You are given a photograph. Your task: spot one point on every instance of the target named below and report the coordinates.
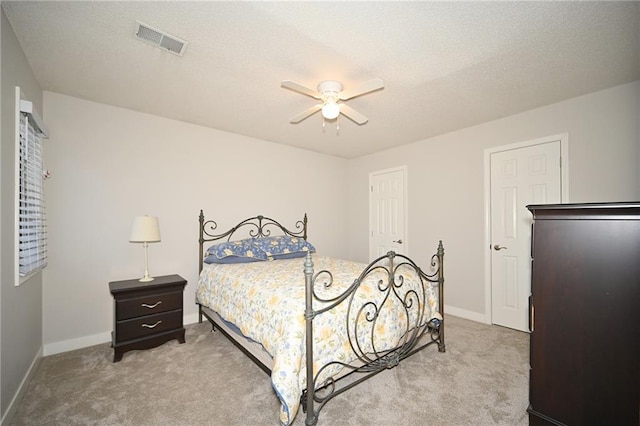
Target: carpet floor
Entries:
(481, 379)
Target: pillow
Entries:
(235, 252)
(284, 247)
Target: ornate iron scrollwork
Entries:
(397, 293)
(255, 227)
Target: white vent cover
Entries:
(160, 39)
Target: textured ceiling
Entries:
(446, 65)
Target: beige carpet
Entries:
(482, 379)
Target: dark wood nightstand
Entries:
(148, 314)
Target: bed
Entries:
(307, 318)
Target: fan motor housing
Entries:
(330, 86)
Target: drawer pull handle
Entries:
(152, 306)
(152, 326)
(533, 318)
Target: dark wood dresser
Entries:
(146, 314)
(585, 315)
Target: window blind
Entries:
(32, 223)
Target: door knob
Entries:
(498, 247)
(397, 241)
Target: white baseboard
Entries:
(17, 398)
(95, 339)
(463, 313)
(78, 343)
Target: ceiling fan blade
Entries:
(367, 87)
(306, 113)
(288, 84)
(352, 114)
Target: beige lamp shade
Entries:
(145, 229)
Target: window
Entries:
(31, 223)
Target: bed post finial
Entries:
(304, 222)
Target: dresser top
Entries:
(628, 210)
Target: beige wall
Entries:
(21, 310)
(446, 187)
(111, 164)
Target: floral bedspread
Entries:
(266, 301)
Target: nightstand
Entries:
(148, 314)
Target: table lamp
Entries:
(145, 229)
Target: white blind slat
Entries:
(32, 231)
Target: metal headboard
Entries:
(257, 226)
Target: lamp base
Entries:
(145, 279)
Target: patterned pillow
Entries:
(284, 247)
(235, 252)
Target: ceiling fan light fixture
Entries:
(332, 99)
(330, 110)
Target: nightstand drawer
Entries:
(147, 305)
(148, 325)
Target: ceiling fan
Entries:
(332, 95)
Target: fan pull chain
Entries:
(324, 125)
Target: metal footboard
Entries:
(398, 288)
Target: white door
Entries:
(527, 175)
(387, 198)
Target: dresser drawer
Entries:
(147, 305)
(148, 325)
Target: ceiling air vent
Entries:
(160, 39)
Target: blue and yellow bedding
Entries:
(266, 301)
